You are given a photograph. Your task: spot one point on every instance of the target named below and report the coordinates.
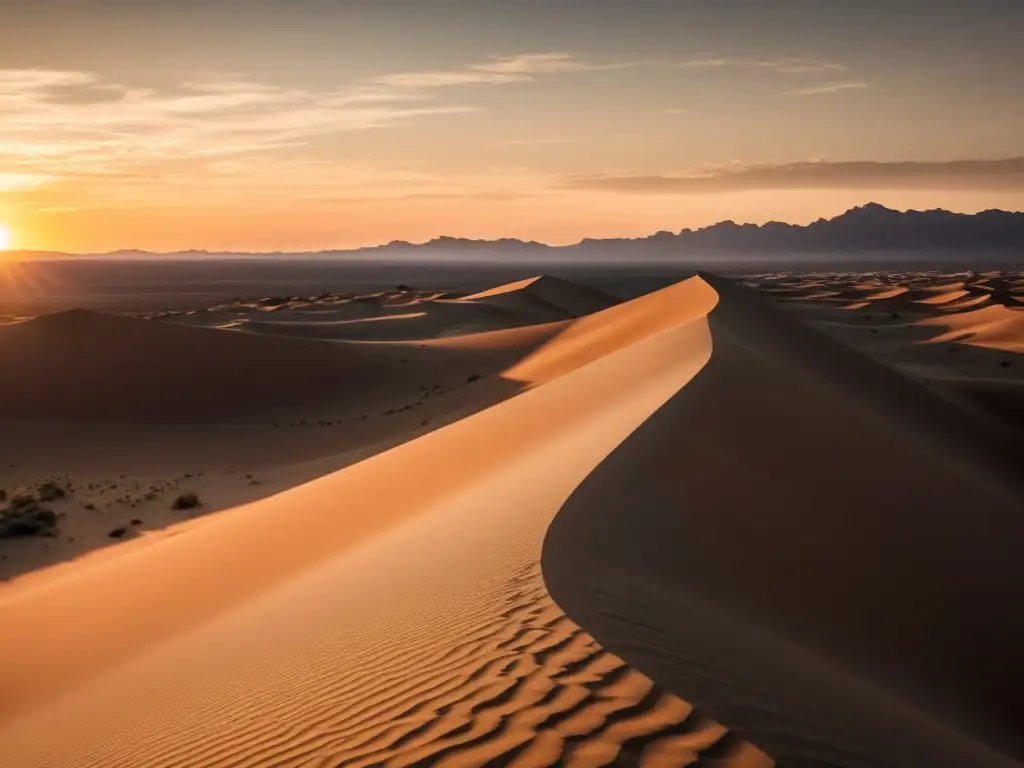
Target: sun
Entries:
(5, 237)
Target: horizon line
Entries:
(530, 242)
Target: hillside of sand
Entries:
(128, 413)
(438, 643)
(959, 333)
(401, 315)
(727, 507)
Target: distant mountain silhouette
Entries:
(864, 229)
(871, 227)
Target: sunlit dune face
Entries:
(5, 237)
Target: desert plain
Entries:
(764, 519)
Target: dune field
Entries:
(960, 332)
(527, 526)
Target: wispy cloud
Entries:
(14, 182)
(498, 70)
(542, 141)
(76, 127)
(826, 88)
(1007, 174)
(53, 120)
(789, 66)
(799, 66)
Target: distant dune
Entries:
(762, 547)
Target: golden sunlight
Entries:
(5, 237)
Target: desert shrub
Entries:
(51, 492)
(474, 377)
(3, 495)
(186, 501)
(27, 520)
(23, 501)
(118, 533)
(402, 288)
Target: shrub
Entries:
(22, 501)
(118, 533)
(27, 520)
(186, 501)
(51, 492)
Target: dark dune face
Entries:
(822, 552)
(958, 332)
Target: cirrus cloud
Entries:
(1004, 174)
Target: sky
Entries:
(316, 124)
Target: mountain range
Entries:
(864, 229)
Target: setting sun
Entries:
(5, 237)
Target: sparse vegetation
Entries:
(474, 377)
(186, 501)
(51, 492)
(118, 533)
(25, 517)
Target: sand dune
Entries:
(544, 298)
(60, 367)
(969, 357)
(392, 612)
(405, 315)
(833, 530)
(89, 366)
(127, 413)
(433, 319)
(728, 507)
(994, 327)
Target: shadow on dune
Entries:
(816, 550)
(93, 367)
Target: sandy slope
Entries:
(392, 612)
(827, 557)
(543, 298)
(958, 333)
(994, 327)
(128, 413)
(816, 549)
(403, 315)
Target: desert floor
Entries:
(527, 525)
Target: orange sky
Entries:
(314, 125)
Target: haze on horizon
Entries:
(312, 124)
